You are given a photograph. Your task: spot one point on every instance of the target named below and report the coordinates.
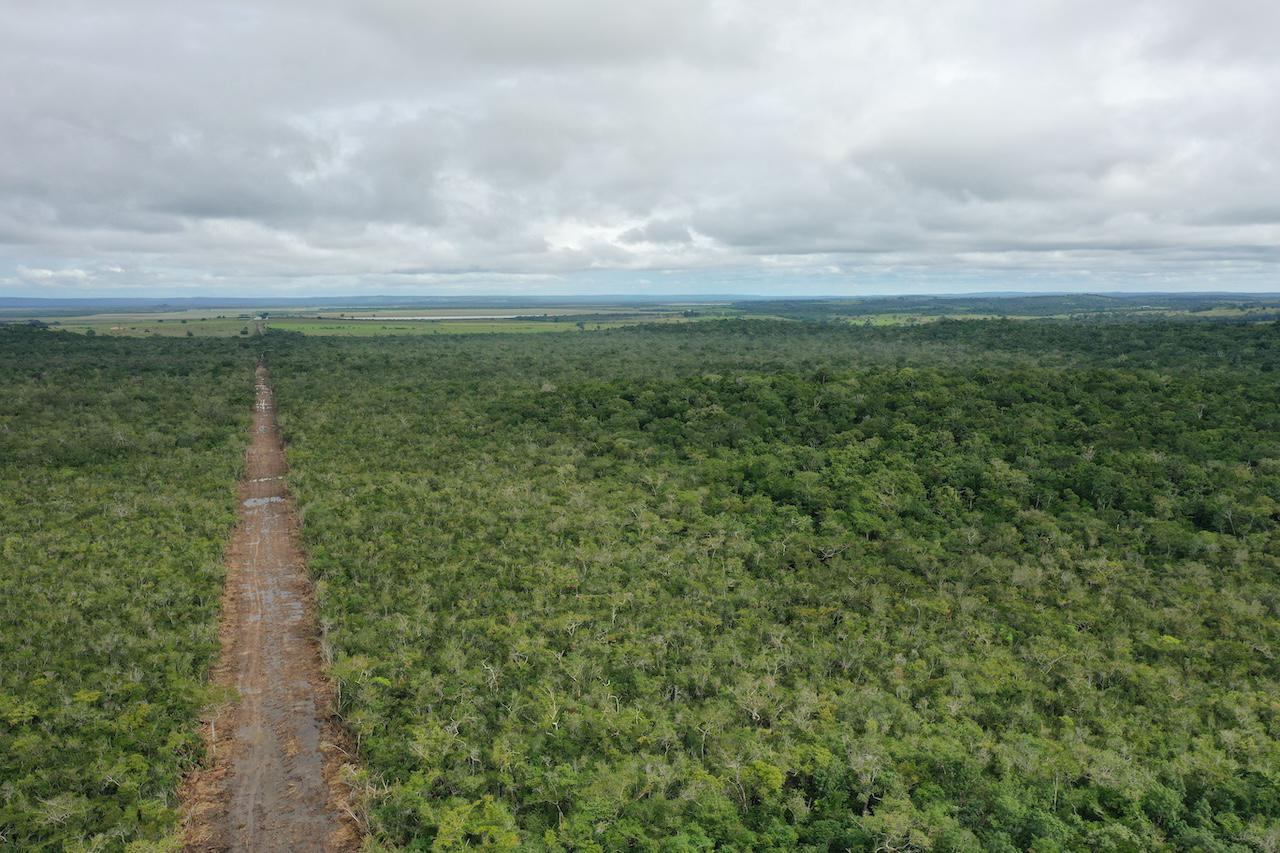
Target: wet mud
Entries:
(277, 756)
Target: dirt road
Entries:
(273, 782)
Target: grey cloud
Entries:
(561, 33)
(337, 141)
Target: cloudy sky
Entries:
(665, 146)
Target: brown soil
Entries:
(277, 756)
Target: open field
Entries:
(417, 324)
(515, 318)
(379, 327)
(193, 324)
(373, 328)
(513, 312)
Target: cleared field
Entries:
(150, 325)
(406, 326)
(514, 312)
(519, 320)
(374, 328)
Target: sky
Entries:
(814, 147)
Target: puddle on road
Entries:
(274, 499)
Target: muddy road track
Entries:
(273, 783)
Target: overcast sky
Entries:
(664, 146)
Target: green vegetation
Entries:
(143, 325)
(394, 326)
(118, 460)
(376, 317)
(1108, 308)
(726, 585)
(778, 586)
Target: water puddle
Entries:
(252, 502)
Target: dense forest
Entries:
(774, 586)
(732, 585)
(118, 461)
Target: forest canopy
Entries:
(775, 586)
(118, 463)
(741, 585)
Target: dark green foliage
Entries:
(118, 460)
(777, 586)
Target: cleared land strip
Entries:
(273, 783)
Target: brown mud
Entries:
(274, 782)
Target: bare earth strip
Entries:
(274, 780)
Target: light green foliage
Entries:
(771, 586)
(118, 461)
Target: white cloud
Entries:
(39, 275)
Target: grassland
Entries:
(195, 324)
(404, 322)
(375, 328)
